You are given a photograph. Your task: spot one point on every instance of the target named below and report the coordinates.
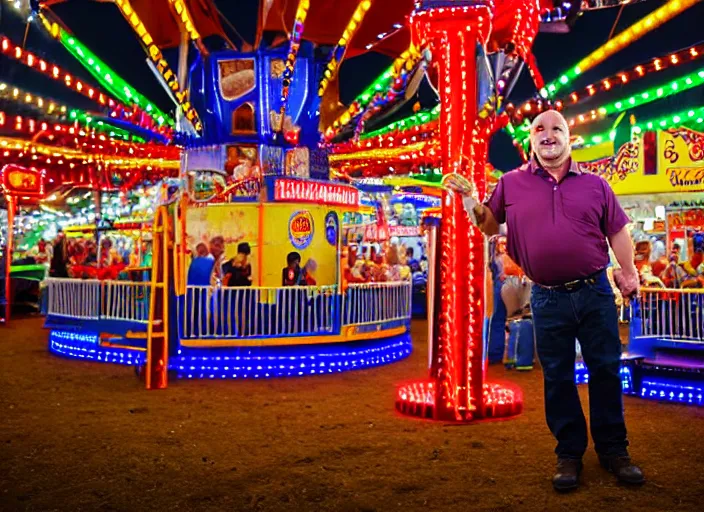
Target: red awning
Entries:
(161, 23)
(326, 21)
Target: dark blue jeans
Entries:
(588, 314)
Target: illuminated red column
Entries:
(452, 34)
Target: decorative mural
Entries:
(237, 78)
(616, 168)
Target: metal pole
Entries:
(182, 74)
(431, 251)
(8, 254)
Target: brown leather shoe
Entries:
(566, 476)
(623, 468)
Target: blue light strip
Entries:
(66, 336)
(244, 363)
(581, 376)
(91, 352)
(683, 392)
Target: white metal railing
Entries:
(236, 312)
(92, 299)
(676, 314)
(370, 303)
(74, 298)
(256, 312)
(125, 300)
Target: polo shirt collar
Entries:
(534, 167)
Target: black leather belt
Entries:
(573, 286)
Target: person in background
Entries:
(202, 250)
(497, 321)
(674, 275)
(411, 261)
(201, 268)
(91, 254)
(309, 271)
(217, 250)
(106, 253)
(658, 257)
(291, 275)
(238, 271)
(59, 259)
(41, 253)
(424, 263)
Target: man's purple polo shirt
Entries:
(556, 232)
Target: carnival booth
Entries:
(18, 184)
(657, 177)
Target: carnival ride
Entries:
(249, 120)
(269, 193)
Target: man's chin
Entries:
(552, 159)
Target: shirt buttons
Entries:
(555, 187)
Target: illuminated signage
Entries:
(403, 231)
(315, 192)
(300, 229)
(21, 181)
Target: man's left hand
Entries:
(628, 283)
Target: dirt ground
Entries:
(83, 436)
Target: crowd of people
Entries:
(397, 263)
(91, 258)
(660, 269)
(210, 267)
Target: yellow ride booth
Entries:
(659, 179)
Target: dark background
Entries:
(101, 27)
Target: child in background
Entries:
(291, 274)
(308, 270)
(238, 271)
(202, 251)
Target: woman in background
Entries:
(59, 258)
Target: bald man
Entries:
(559, 224)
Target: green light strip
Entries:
(59, 113)
(383, 81)
(87, 120)
(686, 117)
(111, 80)
(593, 140)
(670, 88)
(629, 35)
(380, 84)
(404, 124)
(664, 90)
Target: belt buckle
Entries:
(571, 286)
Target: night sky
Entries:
(101, 27)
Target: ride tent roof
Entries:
(325, 23)
(162, 25)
